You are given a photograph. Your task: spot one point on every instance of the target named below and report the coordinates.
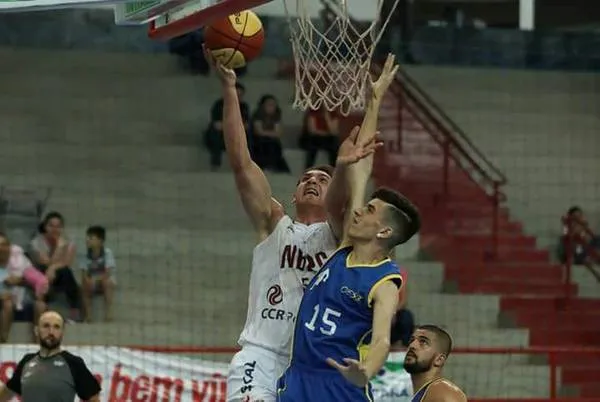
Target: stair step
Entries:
(541, 304)
(589, 390)
(486, 241)
(564, 337)
(571, 320)
(580, 375)
(503, 288)
(501, 275)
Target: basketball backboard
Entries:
(195, 14)
(38, 5)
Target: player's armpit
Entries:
(385, 300)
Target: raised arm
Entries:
(251, 182)
(337, 198)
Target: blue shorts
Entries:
(305, 385)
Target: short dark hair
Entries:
(323, 168)
(573, 210)
(98, 231)
(402, 214)
(49, 216)
(328, 169)
(443, 338)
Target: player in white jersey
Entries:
(290, 251)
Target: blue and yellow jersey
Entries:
(336, 313)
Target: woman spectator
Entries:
(266, 130)
(320, 133)
(53, 253)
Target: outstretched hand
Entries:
(226, 75)
(354, 371)
(388, 73)
(351, 151)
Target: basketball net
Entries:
(333, 56)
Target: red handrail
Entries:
(571, 239)
(455, 144)
(550, 352)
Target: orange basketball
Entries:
(235, 40)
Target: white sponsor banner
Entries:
(132, 375)
(393, 383)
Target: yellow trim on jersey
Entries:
(379, 282)
(348, 265)
(427, 384)
(363, 349)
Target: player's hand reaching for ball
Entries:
(226, 75)
(351, 152)
(354, 371)
(388, 73)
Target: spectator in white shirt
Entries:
(53, 254)
(97, 272)
(17, 272)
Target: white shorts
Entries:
(253, 375)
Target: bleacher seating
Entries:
(117, 139)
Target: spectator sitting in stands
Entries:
(580, 241)
(266, 140)
(97, 272)
(213, 136)
(53, 254)
(321, 129)
(403, 327)
(16, 272)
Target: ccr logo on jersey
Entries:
(274, 295)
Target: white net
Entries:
(333, 54)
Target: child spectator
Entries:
(16, 272)
(97, 272)
(53, 253)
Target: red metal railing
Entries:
(455, 144)
(551, 354)
(576, 233)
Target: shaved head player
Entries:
(289, 250)
(428, 351)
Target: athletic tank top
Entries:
(336, 314)
(420, 394)
(282, 265)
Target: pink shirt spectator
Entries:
(19, 265)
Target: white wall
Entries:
(362, 10)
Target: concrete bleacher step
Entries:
(108, 158)
(91, 63)
(90, 131)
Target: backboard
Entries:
(195, 14)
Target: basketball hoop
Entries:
(333, 61)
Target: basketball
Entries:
(235, 40)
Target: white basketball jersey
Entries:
(281, 266)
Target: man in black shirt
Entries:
(51, 374)
(214, 133)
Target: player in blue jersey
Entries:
(351, 302)
(428, 351)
